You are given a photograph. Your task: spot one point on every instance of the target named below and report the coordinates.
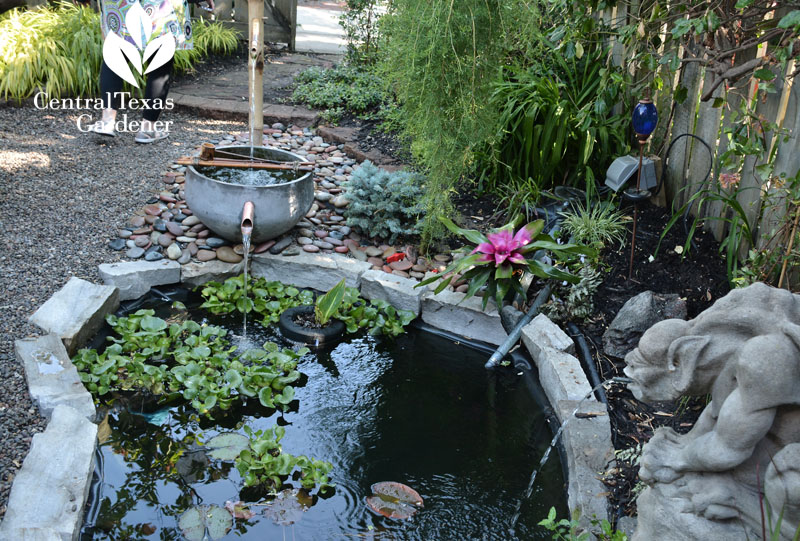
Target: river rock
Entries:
(292, 251)
(206, 255)
(341, 249)
(323, 196)
(311, 248)
(324, 245)
(135, 253)
(303, 241)
(226, 254)
(320, 233)
(281, 245)
(160, 225)
(375, 261)
(636, 316)
(215, 242)
(165, 240)
(264, 246)
(173, 251)
(137, 221)
(402, 265)
(117, 244)
(185, 257)
(141, 242)
(174, 228)
(373, 251)
(153, 256)
(191, 221)
(358, 254)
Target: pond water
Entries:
(419, 410)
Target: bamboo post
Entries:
(256, 70)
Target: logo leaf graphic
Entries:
(115, 49)
(139, 24)
(164, 49)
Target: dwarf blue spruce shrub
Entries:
(384, 204)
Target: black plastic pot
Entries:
(330, 334)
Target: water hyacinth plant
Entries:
(500, 258)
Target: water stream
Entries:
(529, 490)
(244, 343)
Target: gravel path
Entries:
(63, 194)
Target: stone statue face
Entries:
(655, 366)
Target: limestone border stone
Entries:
(51, 376)
(76, 312)
(49, 492)
(135, 278)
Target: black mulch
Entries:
(698, 277)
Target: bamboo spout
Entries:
(247, 219)
(256, 71)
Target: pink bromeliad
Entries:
(502, 247)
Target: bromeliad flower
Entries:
(498, 254)
(502, 246)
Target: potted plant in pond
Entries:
(314, 324)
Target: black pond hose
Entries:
(585, 357)
(660, 183)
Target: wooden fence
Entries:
(689, 160)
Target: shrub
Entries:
(361, 24)
(555, 126)
(59, 50)
(384, 204)
(343, 87)
(444, 61)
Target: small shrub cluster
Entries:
(384, 204)
(343, 88)
(59, 50)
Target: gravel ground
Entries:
(64, 194)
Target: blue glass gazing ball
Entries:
(645, 118)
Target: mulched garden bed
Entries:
(700, 279)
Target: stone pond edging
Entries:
(56, 475)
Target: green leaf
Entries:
(790, 19)
(503, 271)
(152, 324)
(285, 397)
(265, 397)
(327, 305)
(764, 74)
(227, 446)
(471, 235)
(680, 94)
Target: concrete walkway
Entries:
(318, 30)
(224, 95)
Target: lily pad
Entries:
(227, 446)
(394, 500)
(239, 510)
(195, 521)
(287, 507)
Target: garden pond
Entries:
(418, 409)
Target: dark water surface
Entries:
(420, 410)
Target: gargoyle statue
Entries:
(745, 352)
